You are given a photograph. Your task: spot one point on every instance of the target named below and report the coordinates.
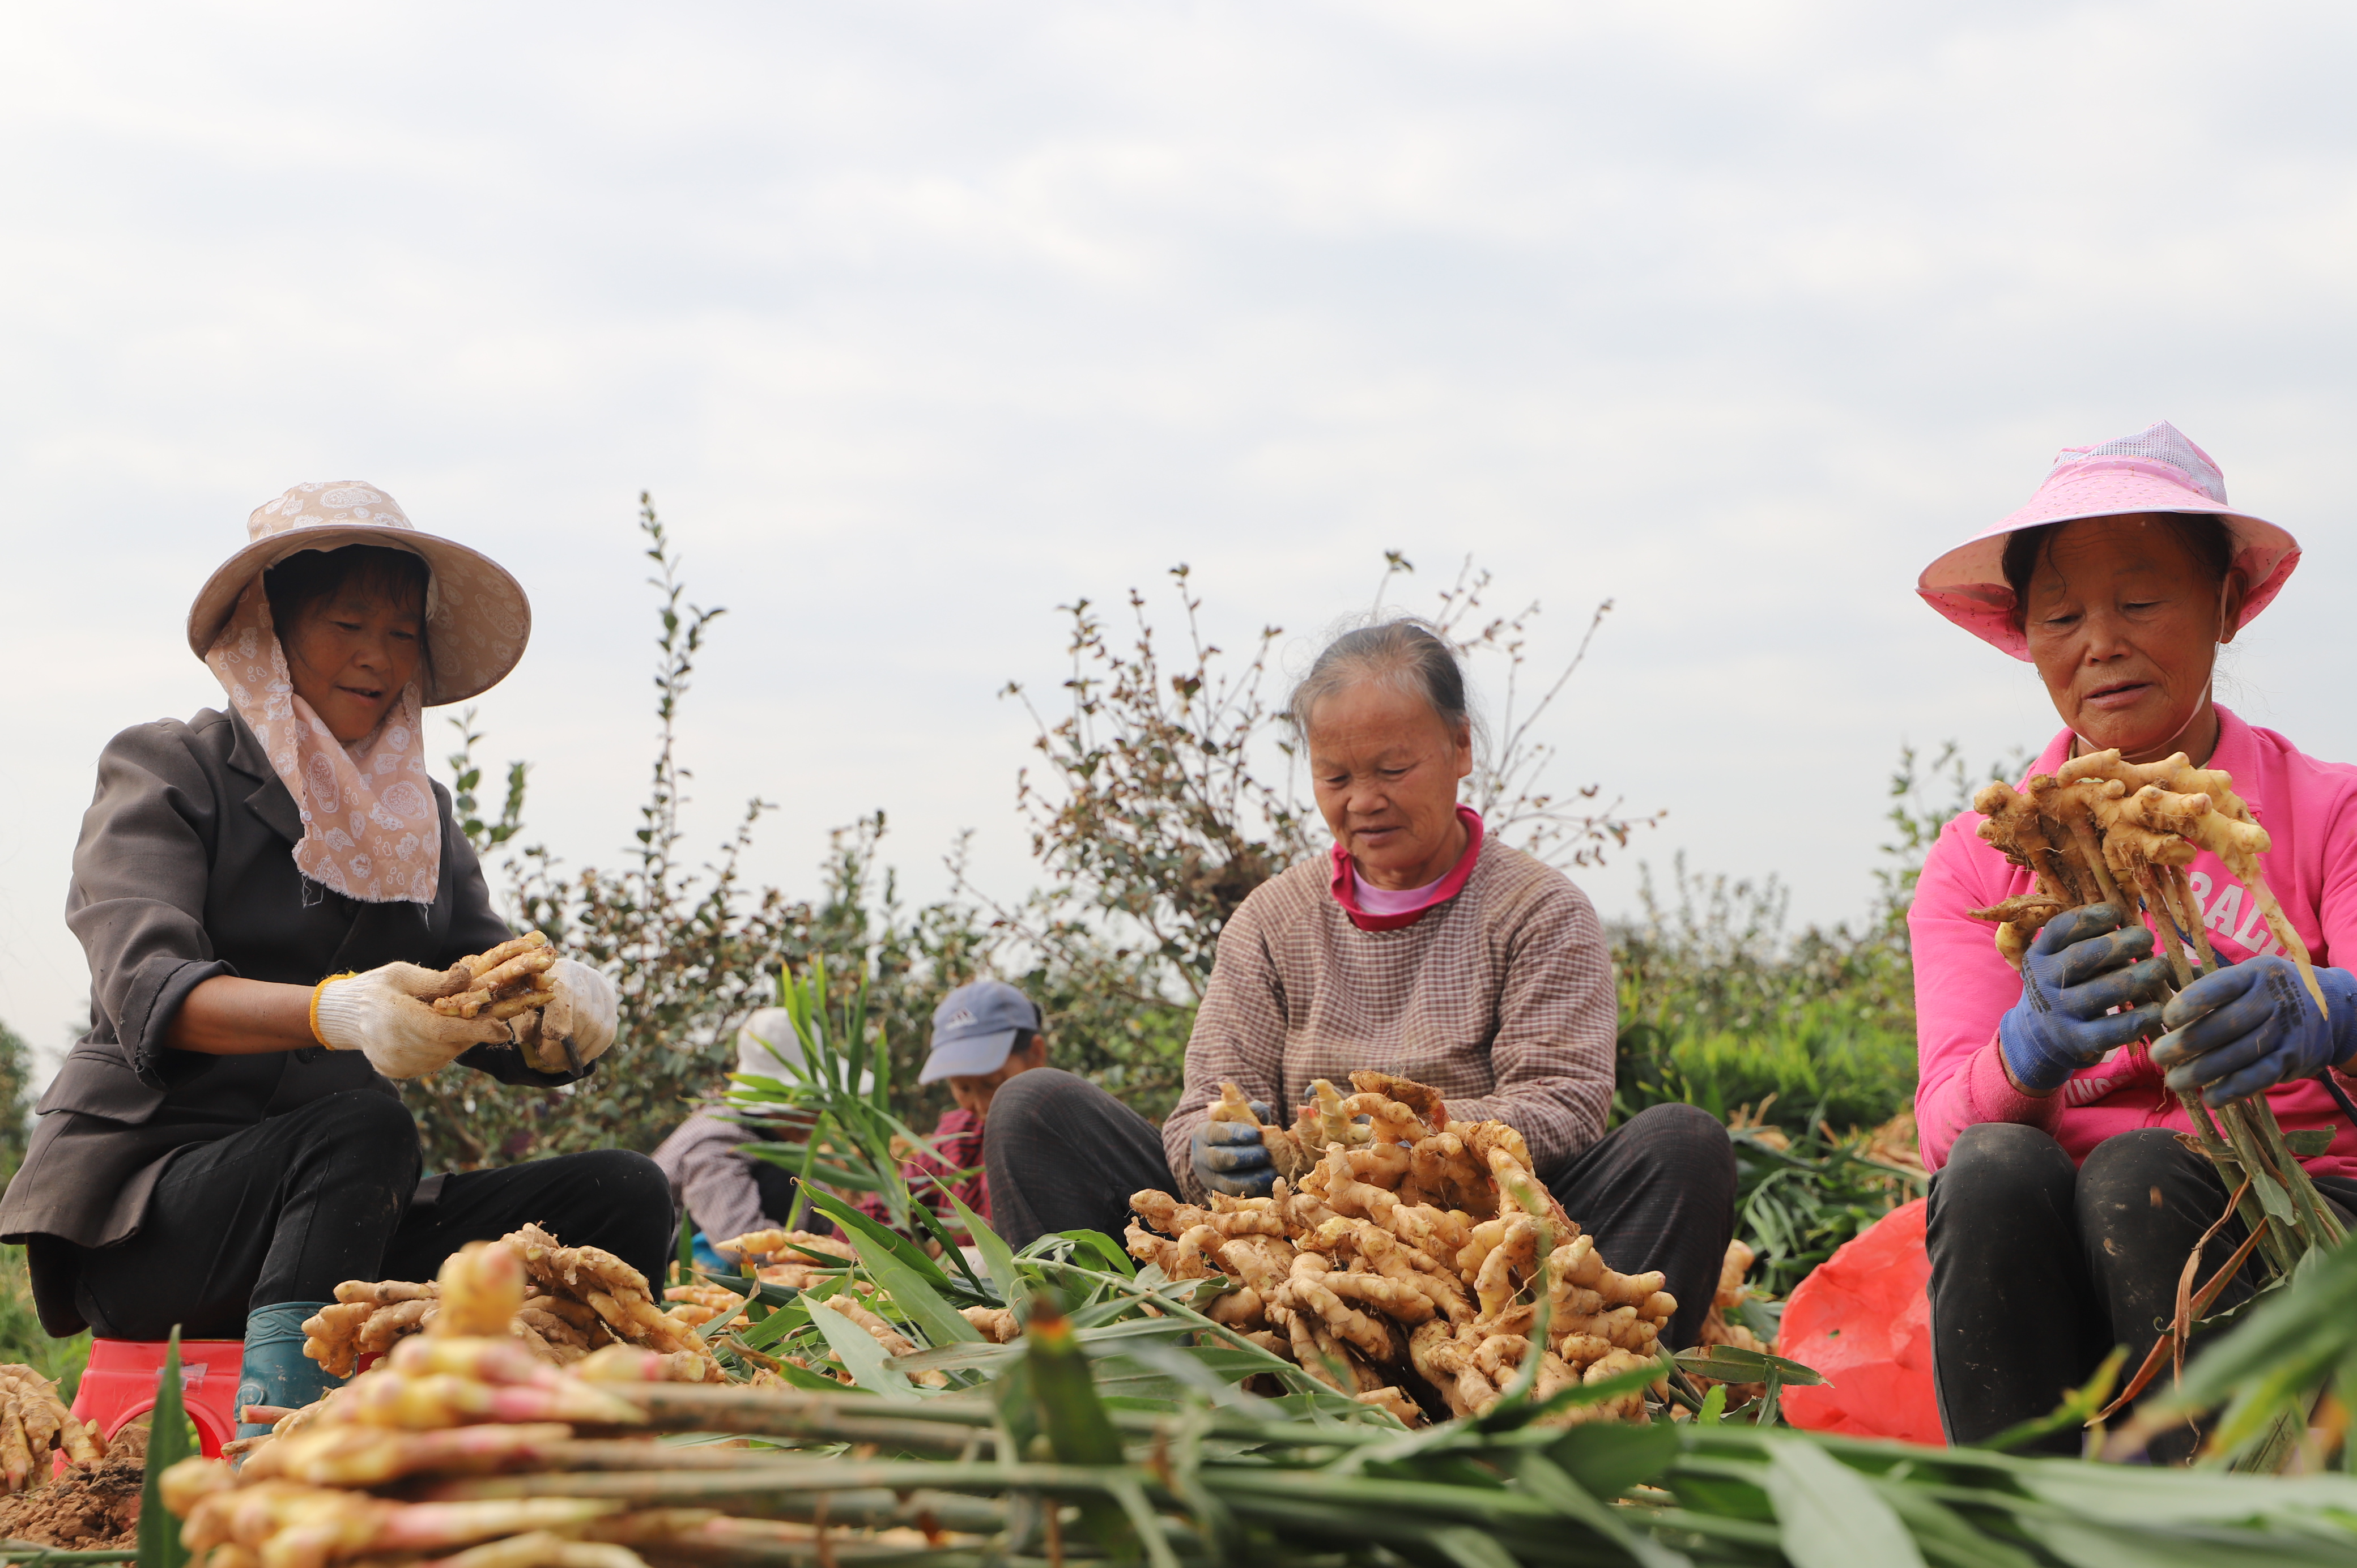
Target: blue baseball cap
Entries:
(974, 1027)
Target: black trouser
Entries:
(1659, 1193)
(2038, 1269)
(291, 1208)
(1059, 1154)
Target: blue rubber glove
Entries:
(2246, 1028)
(2079, 966)
(1229, 1157)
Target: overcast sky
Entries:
(921, 319)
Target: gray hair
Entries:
(1408, 654)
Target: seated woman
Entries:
(226, 1146)
(1418, 947)
(2064, 1206)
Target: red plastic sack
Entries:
(1864, 1319)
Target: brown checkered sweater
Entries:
(1501, 998)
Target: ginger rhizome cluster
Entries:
(465, 1396)
(578, 1300)
(502, 984)
(35, 1426)
(2100, 830)
(1408, 1261)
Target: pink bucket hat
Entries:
(2156, 470)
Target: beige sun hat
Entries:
(477, 617)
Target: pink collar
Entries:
(1345, 883)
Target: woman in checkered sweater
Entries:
(1419, 947)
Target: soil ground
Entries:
(86, 1510)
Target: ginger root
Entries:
(34, 1424)
(502, 982)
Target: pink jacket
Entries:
(1963, 986)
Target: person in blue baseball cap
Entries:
(985, 1032)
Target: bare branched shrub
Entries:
(1153, 812)
(1169, 792)
(1507, 786)
(1166, 796)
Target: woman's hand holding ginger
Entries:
(2252, 1025)
(386, 1015)
(2080, 967)
(578, 1025)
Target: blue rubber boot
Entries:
(275, 1372)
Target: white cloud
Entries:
(920, 319)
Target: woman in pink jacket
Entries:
(2064, 1207)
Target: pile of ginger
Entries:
(579, 1299)
(1401, 1258)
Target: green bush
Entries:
(1792, 1072)
(1719, 1008)
(1806, 1042)
(21, 1340)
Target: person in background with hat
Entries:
(267, 895)
(725, 1193)
(985, 1032)
(2063, 1206)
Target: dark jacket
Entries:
(185, 870)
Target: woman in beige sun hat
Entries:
(266, 894)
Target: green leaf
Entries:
(783, 1324)
(1946, 1535)
(969, 1282)
(1112, 1339)
(2138, 1495)
(1730, 1364)
(1552, 1485)
(2085, 1545)
(996, 1257)
(167, 1445)
(1073, 1418)
(857, 1226)
(1829, 1516)
(916, 1299)
(860, 1355)
(1470, 1548)
(1109, 1252)
(802, 1378)
(2270, 1363)
(2309, 1142)
(1609, 1459)
(2274, 1200)
(1714, 1405)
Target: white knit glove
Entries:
(578, 1024)
(383, 1015)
